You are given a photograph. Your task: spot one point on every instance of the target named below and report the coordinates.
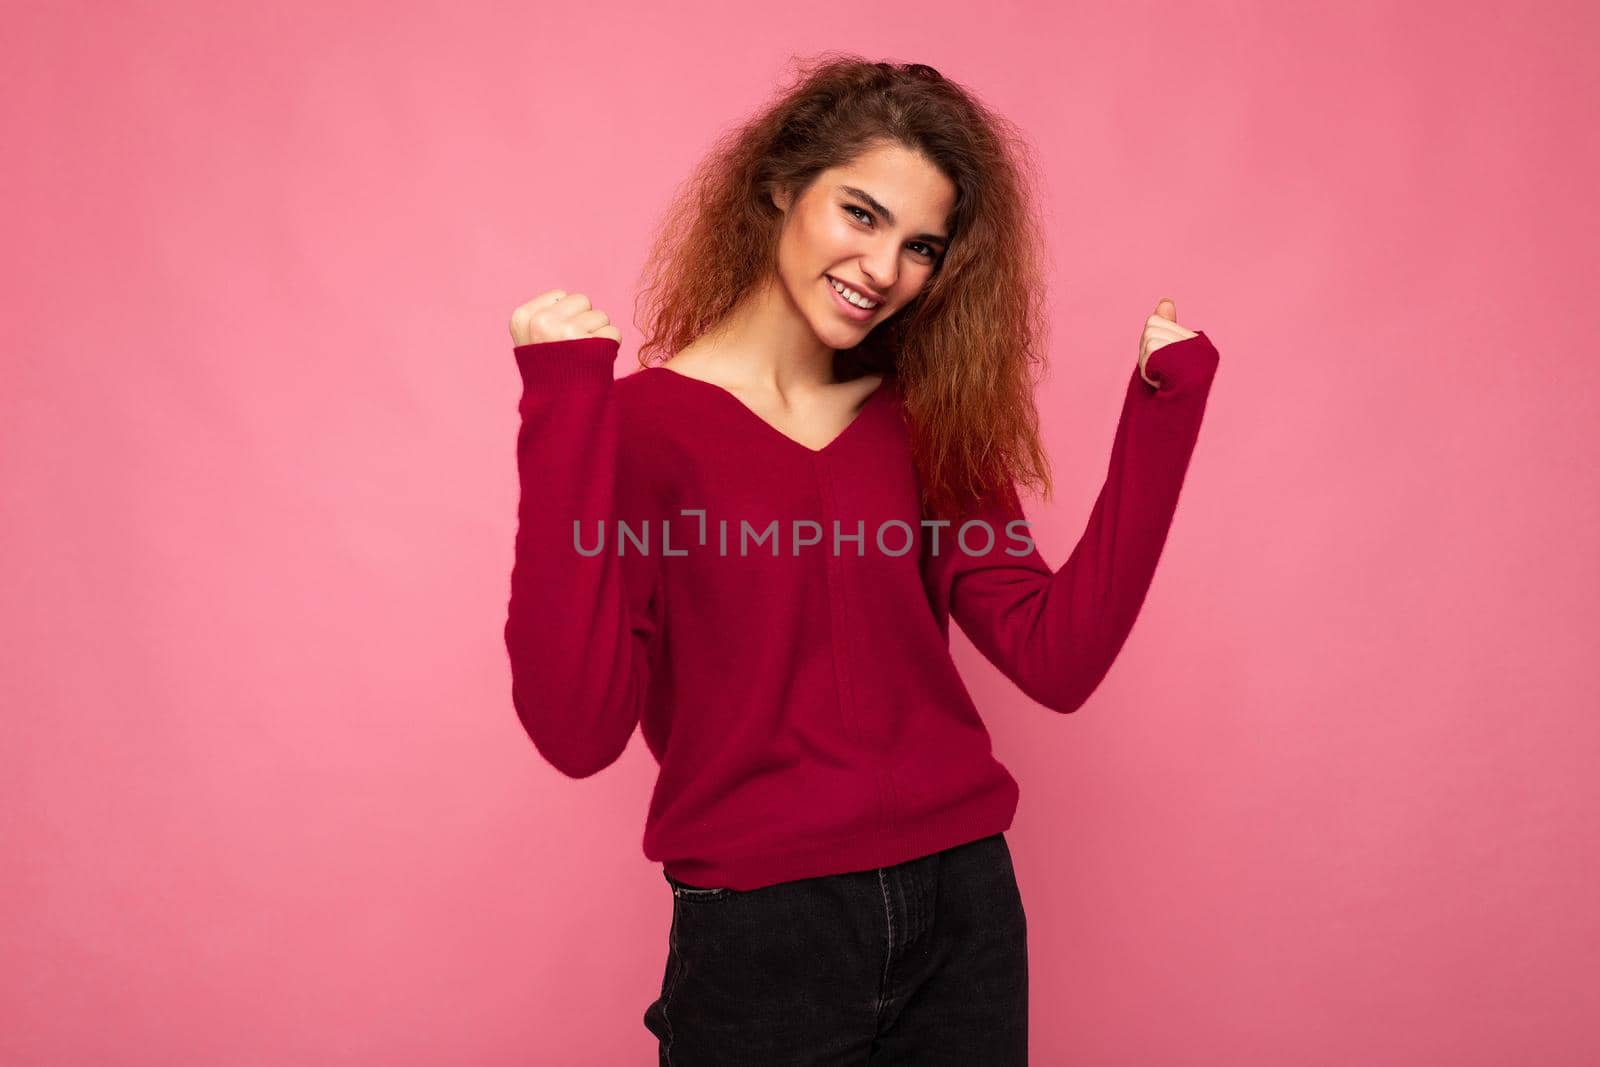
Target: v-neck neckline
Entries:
(860, 414)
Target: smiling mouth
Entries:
(852, 310)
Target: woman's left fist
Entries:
(1160, 329)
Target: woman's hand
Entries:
(1160, 329)
(558, 315)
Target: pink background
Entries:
(264, 796)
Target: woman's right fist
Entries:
(558, 315)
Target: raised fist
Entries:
(558, 315)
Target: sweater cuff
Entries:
(1182, 365)
(569, 362)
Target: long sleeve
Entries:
(1055, 635)
(577, 633)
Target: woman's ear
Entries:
(781, 199)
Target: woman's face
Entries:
(877, 226)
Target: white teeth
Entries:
(851, 295)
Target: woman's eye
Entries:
(926, 253)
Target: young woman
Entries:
(752, 549)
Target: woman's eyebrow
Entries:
(888, 216)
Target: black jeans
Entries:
(925, 962)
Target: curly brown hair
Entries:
(966, 350)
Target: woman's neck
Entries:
(763, 345)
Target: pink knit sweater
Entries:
(775, 618)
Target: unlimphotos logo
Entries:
(892, 537)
